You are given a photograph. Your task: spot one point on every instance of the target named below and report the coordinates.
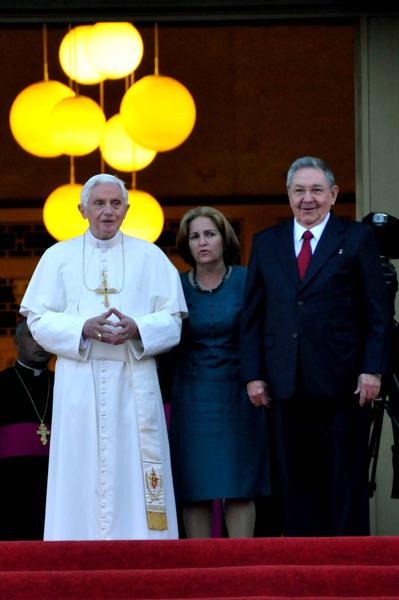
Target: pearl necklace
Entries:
(198, 287)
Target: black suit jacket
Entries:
(325, 330)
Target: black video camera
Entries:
(386, 228)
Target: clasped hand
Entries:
(102, 329)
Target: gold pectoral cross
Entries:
(43, 432)
(105, 290)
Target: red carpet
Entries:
(268, 568)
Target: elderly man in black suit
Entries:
(315, 334)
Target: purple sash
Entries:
(21, 439)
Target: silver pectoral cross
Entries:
(105, 290)
(43, 432)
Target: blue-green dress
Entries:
(218, 439)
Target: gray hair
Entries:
(310, 162)
(102, 178)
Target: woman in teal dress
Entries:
(218, 438)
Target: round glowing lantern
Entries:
(30, 116)
(158, 112)
(61, 215)
(144, 219)
(120, 151)
(114, 49)
(77, 125)
(73, 58)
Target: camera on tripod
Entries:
(386, 228)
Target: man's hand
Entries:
(368, 388)
(94, 327)
(100, 328)
(123, 330)
(258, 393)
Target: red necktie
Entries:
(305, 254)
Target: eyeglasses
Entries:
(315, 191)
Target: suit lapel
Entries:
(284, 244)
(330, 239)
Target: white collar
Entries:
(37, 372)
(103, 244)
(317, 230)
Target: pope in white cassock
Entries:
(106, 304)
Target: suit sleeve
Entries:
(252, 320)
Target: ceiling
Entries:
(272, 80)
(265, 94)
(192, 10)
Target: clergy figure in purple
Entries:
(25, 431)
